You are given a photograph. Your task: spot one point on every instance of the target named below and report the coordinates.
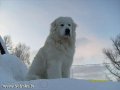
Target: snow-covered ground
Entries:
(59, 84)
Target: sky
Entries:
(28, 21)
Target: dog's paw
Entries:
(32, 77)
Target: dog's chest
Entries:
(60, 53)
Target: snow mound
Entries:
(11, 68)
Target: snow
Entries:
(11, 68)
(59, 84)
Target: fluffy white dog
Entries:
(55, 58)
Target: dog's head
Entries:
(63, 27)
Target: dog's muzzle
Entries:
(67, 32)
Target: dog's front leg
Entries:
(66, 73)
(54, 70)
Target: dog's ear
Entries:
(74, 26)
(53, 25)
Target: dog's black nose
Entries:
(67, 31)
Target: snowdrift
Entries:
(11, 68)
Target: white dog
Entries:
(55, 58)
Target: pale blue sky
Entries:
(28, 21)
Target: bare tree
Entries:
(23, 52)
(113, 55)
(20, 50)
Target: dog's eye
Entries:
(69, 24)
(62, 25)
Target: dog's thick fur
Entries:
(55, 58)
